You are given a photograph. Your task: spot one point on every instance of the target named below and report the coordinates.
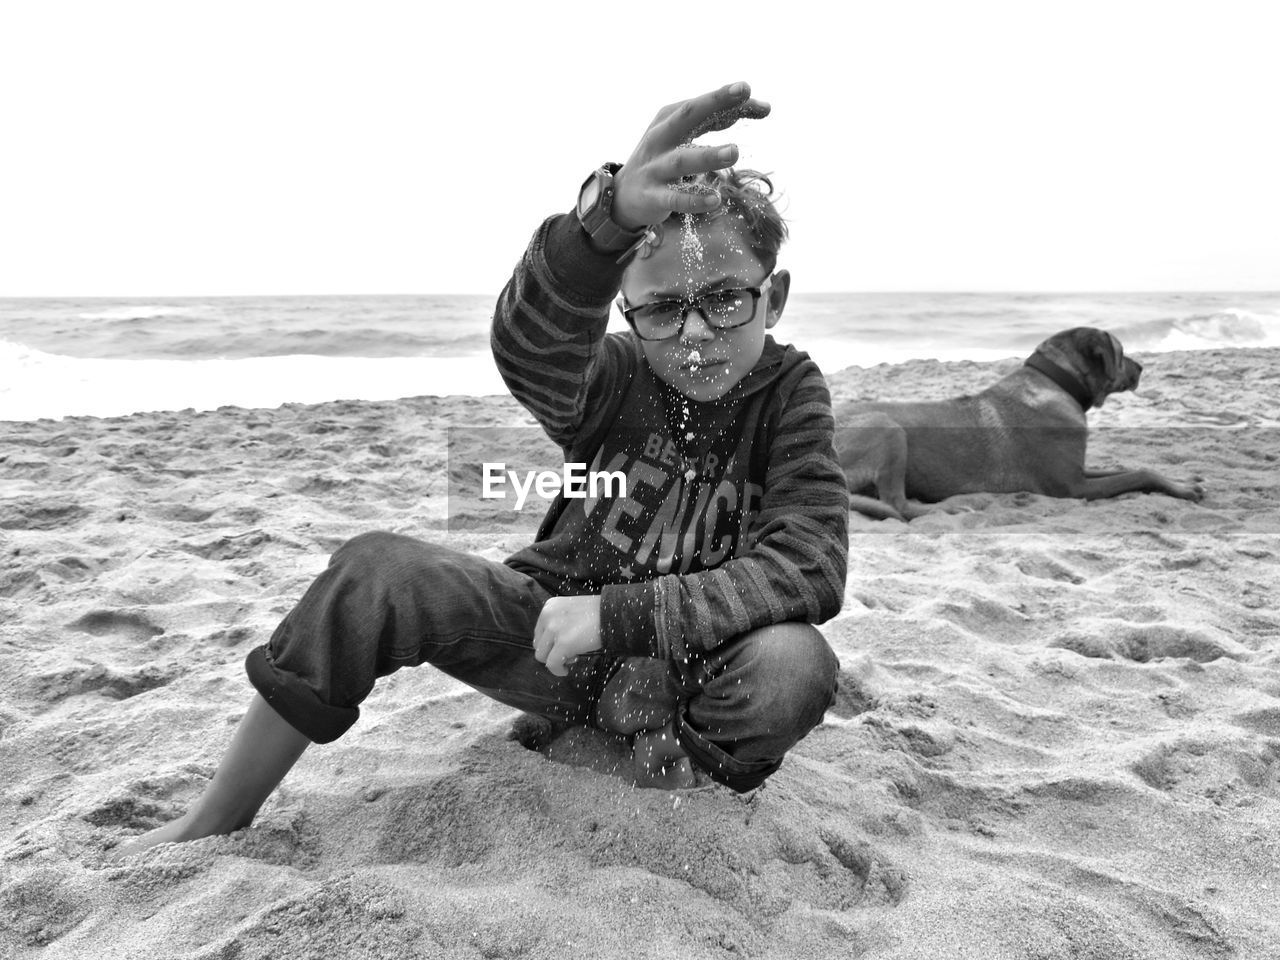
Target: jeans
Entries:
(388, 601)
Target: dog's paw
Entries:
(873, 508)
(1193, 492)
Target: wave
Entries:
(1232, 328)
(1209, 331)
(872, 344)
(143, 311)
(270, 368)
(369, 342)
(36, 385)
(244, 327)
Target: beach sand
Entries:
(1057, 736)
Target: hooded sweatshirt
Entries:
(736, 510)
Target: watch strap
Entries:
(597, 220)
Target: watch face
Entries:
(589, 196)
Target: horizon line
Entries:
(1009, 291)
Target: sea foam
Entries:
(110, 357)
(36, 385)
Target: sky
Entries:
(251, 148)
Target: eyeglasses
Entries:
(721, 309)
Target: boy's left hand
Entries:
(567, 627)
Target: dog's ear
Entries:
(1105, 352)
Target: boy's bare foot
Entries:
(175, 831)
(659, 761)
(263, 749)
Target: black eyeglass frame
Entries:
(688, 306)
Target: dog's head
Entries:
(1094, 356)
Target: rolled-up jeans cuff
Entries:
(738, 775)
(296, 702)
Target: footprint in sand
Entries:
(1265, 720)
(1044, 567)
(1227, 772)
(844, 871)
(131, 812)
(85, 676)
(1158, 769)
(236, 547)
(1143, 644)
(1147, 643)
(145, 804)
(974, 612)
(70, 568)
(99, 678)
(359, 916)
(853, 696)
(15, 584)
(39, 514)
(182, 512)
(880, 882)
(127, 626)
(37, 906)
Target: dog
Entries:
(1026, 432)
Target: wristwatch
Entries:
(595, 213)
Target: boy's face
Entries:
(702, 362)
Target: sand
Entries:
(1058, 733)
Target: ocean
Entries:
(107, 357)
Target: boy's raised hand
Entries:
(647, 189)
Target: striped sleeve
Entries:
(549, 329)
(791, 568)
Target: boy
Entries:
(679, 614)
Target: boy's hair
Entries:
(747, 193)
